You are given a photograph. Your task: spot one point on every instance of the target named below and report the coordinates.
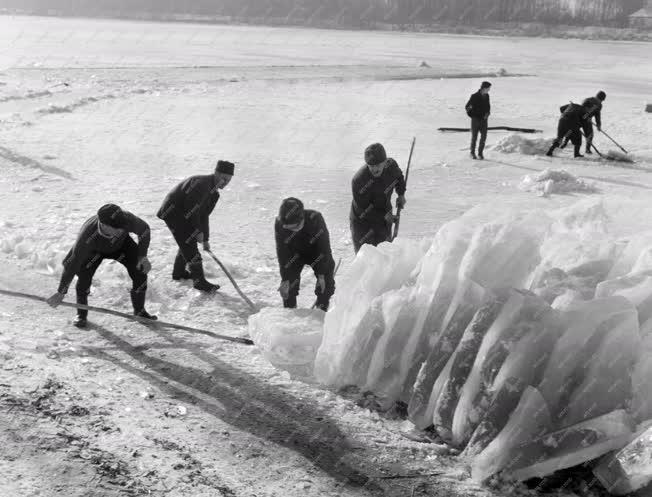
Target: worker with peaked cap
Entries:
(106, 236)
(186, 210)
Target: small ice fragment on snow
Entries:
(552, 181)
(527, 146)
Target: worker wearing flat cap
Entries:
(371, 215)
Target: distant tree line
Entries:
(345, 12)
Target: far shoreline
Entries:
(504, 30)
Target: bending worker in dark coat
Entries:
(371, 214)
(302, 239)
(478, 108)
(570, 123)
(185, 210)
(593, 106)
(106, 236)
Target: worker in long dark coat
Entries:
(106, 236)
(371, 215)
(186, 210)
(302, 239)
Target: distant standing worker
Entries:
(371, 214)
(185, 210)
(106, 236)
(302, 239)
(593, 106)
(478, 108)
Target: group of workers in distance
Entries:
(301, 234)
(575, 120)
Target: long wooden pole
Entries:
(131, 317)
(397, 223)
(617, 144)
(235, 285)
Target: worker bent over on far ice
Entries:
(185, 210)
(106, 236)
(371, 214)
(302, 239)
(593, 106)
(569, 128)
(478, 108)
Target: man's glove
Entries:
(144, 265)
(390, 218)
(599, 127)
(284, 289)
(55, 300)
(400, 201)
(206, 245)
(321, 283)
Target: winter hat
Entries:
(375, 154)
(601, 95)
(225, 167)
(485, 84)
(291, 211)
(111, 215)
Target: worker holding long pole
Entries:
(371, 215)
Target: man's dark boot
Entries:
(138, 302)
(552, 148)
(322, 304)
(199, 281)
(473, 156)
(290, 302)
(81, 321)
(577, 152)
(179, 271)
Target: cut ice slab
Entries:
(641, 407)
(288, 338)
(630, 469)
(357, 290)
(571, 446)
(427, 388)
(530, 419)
(523, 313)
(461, 364)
